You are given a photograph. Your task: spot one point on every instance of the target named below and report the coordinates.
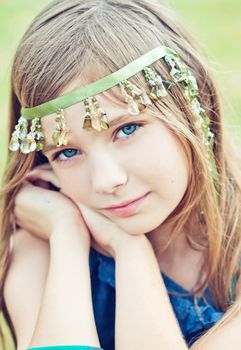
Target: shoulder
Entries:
(24, 283)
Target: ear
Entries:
(43, 173)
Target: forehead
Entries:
(110, 101)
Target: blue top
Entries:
(193, 319)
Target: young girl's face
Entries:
(136, 156)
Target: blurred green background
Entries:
(215, 24)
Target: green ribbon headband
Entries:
(98, 86)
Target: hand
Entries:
(41, 209)
(106, 233)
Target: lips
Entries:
(129, 209)
(126, 203)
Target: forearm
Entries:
(66, 312)
(144, 316)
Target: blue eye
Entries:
(129, 129)
(66, 154)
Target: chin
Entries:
(139, 226)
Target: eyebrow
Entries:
(51, 147)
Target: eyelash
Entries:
(55, 157)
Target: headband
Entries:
(137, 99)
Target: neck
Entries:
(179, 255)
(168, 255)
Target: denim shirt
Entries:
(193, 319)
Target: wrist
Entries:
(64, 221)
(71, 234)
(127, 242)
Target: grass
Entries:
(216, 25)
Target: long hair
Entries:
(70, 37)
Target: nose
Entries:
(107, 175)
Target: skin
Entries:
(108, 168)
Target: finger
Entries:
(18, 222)
(95, 220)
(45, 166)
(26, 191)
(44, 175)
(38, 173)
(44, 184)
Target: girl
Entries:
(120, 224)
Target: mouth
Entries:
(127, 208)
(124, 204)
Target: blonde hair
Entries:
(60, 45)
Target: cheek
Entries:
(74, 186)
(171, 173)
(163, 165)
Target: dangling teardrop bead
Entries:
(155, 81)
(28, 145)
(104, 126)
(22, 128)
(87, 122)
(133, 107)
(158, 91)
(96, 122)
(40, 144)
(61, 132)
(124, 94)
(56, 137)
(153, 96)
(161, 91)
(64, 137)
(14, 144)
(135, 91)
(60, 137)
(176, 75)
(145, 99)
(139, 103)
(104, 122)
